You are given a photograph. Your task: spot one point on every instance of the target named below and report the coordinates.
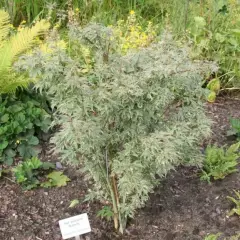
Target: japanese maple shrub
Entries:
(129, 120)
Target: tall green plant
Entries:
(11, 47)
(130, 119)
(107, 11)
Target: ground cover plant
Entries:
(115, 118)
(21, 119)
(236, 201)
(219, 162)
(33, 173)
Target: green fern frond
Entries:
(4, 25)
(25, 39)
(11, 48)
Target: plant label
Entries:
(74, 226)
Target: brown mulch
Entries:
(181, 208)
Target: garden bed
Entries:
(182, 208)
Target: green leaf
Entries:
(233, 148)
(200, 22)
(46, 184)
(33, 140)
(74, 203)
(34, 163)
(8, 160)
(10, 153)
(15, 108)
(58, 179)
(48, 165)
(213, 236)
(105, 212)
(220, 38)
(27, 151)
(5, 118)
(3, 144)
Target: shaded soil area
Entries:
(181, 208)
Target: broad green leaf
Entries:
(5, 118)
(3, 144)
(10, 153)
(8, 161)
(58, 179)
(33, 140)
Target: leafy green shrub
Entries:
(128, 120)
(29, 172)
(21, 118)
(219, 163)
(236, 201)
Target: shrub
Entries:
(128, 120)
(219, 163)
(21, 120)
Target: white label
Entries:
(74, 226)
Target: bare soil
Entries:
(181, 208)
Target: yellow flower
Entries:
(77, 9)
(57, 25)
(132, 12)
(17, 141)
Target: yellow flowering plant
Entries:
(130, 34)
